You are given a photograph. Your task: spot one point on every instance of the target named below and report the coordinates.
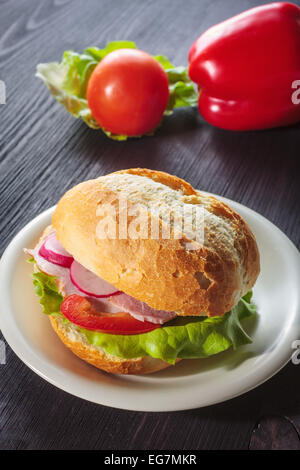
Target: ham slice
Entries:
(140, 310)
(114, 304)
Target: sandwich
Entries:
(139, 271)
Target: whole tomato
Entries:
(128, 92)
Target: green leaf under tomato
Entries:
(68, 80)
(182, 91)
(183, 337)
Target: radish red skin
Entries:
(90, 284)
(55, 257)
(128, 92)
(81, 312)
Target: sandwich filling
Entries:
(169, 337)
(108, 304)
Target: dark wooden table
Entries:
(44, 151)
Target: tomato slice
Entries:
(81, 312)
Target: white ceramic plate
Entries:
(191, 383)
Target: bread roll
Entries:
(177, 274)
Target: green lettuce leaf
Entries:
(67, 82)
(46, 288)
(182, 91)
(183, 337)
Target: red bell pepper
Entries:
(247, 69)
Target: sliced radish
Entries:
(90, 284)
(53, 251)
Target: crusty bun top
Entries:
(189, 275)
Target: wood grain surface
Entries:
(44, 151)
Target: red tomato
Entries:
(80, 311)
(128, 92)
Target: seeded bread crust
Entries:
(208, 280)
